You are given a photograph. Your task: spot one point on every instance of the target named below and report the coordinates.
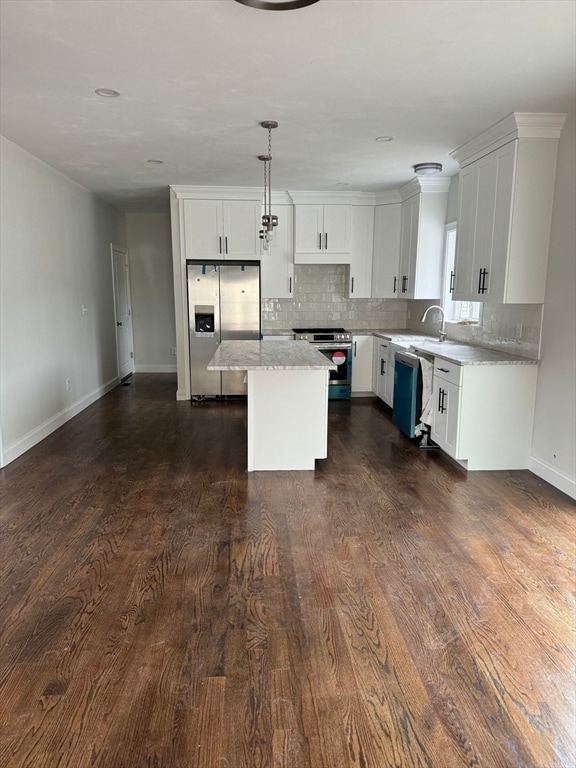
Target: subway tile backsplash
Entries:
(513, 328)
(320, 299)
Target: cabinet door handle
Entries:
(220, 244)
(395, 282)
(355, 348)
(443, 400)
(352, 286)
(289, 285)
(452, 276)
(382, 362)
(325, 241)
(441, 396)
(226, 245)
(320, 241)
(482, 275)
(404, 283)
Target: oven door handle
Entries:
(331, 345)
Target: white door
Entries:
(122, 312)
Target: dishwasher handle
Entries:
(407, 358)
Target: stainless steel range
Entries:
(336, 345)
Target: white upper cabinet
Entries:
(506, 192)
(277, 263)
(386, 254)
(422, 227)
(323, 234)
(222, 229)
(360, 275)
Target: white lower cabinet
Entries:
(483, 414)
(362, 364)
(383, 386)
(446, 397)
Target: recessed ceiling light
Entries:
(277, 5)
(156, 162)
(383, 138)
(108, 93)
(427, 169)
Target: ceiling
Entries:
(196, 78)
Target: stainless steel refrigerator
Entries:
(223, 303)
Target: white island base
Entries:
(287, 400)
(287, 419)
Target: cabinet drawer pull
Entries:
(444, 370)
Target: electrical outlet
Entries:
(67, 382)
(172, 350)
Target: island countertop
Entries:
(269, 356)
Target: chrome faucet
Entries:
(442, 325)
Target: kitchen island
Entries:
(287, 400)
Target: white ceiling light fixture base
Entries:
(427, 169)
(277, 5)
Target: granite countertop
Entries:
(269, 356)
(468, 354)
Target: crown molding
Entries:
(516, 125)
(387, 197)
(185, 192)
(424, 184)
(301, 197)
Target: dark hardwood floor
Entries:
(163, 608)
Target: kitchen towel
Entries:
(426, 368)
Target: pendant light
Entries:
(268, 220)
(277, 5)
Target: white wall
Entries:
(55, 258)
(554, 443)
(152, 290)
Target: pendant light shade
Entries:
(277, 5)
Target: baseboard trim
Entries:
(558, 479)
(155, 368)
(33, 437)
